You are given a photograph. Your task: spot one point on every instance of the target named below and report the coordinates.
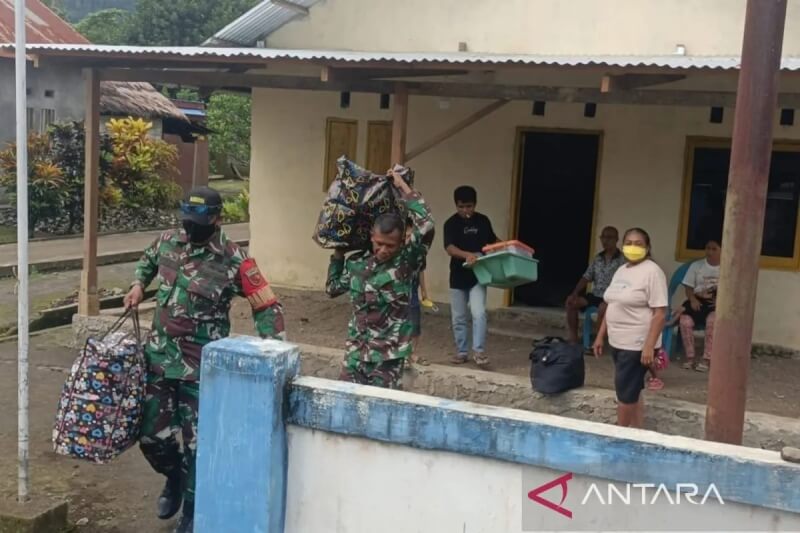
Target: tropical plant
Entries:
(141, 166)
(68, 146)
(46, 190)
(107, 26)
(237, 209)
(229, 120)
(183, 22)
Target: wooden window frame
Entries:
(682, 253)
(329, 123)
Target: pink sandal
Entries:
(655, 384)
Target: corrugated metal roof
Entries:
(257, 23)
(41, 25)
(403, 58)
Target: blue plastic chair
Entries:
(675, 283)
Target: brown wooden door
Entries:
(341, 139)
(379, 146)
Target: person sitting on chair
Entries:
(700, 282)
(599, 273)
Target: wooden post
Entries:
(745, 205)
(88, 303)
(399, 124)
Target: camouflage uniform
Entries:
(380, 332)
(196, 286)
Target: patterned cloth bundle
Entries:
(355, 199)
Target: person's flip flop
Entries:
(655, 384)
(701, 367)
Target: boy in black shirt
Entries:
(465, 235)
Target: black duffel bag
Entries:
(556, 365)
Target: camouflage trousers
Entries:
(170, 407)
(386, 374)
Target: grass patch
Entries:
(228, 188)
(8, 234)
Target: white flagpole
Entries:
(22, 252)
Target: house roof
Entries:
(464, 59)
(260, 21)
(116, 98)
(41, 25)
(137, 99)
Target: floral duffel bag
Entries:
(100, 411)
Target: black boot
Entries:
(186, 523)
(169, 503)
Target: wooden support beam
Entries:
(300, 10)
(88, 302)
(399, 126)
(626, 82)
(452, 89)
(330, 74)
(449, 132)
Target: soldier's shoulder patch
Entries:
(255, 286)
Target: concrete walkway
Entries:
(65, 254)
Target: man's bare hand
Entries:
(399, 182)
(471, 259)
(134, 297)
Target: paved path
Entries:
(119, 246)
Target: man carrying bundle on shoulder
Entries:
(380, 282)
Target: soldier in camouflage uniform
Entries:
(380, 284)
(199, 271)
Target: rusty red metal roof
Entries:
(42, 26)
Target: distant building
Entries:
(56, 92)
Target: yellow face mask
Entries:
(634, 253)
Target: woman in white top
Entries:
(637, 307)
(701, 282)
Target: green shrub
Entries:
(237, 209)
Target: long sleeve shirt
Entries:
(195, 287)
(379, 328)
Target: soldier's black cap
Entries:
(201, 205)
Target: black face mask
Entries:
(199, 233)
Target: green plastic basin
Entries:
(505, 270)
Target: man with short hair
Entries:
(599, 274)
(380, 283)
(199, 272)
(465, 235)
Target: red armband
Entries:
(255, 286)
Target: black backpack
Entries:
(556, 365)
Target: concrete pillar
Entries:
(241, 448)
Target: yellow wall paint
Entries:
(640, 180)
(628, 27)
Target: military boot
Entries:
(186, 523)
(169, 503)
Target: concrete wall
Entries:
(332, 456)
(350, 485)
(626, 27)
(67, 100)
(640, 180)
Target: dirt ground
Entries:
(119, 497)
(313, 318)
